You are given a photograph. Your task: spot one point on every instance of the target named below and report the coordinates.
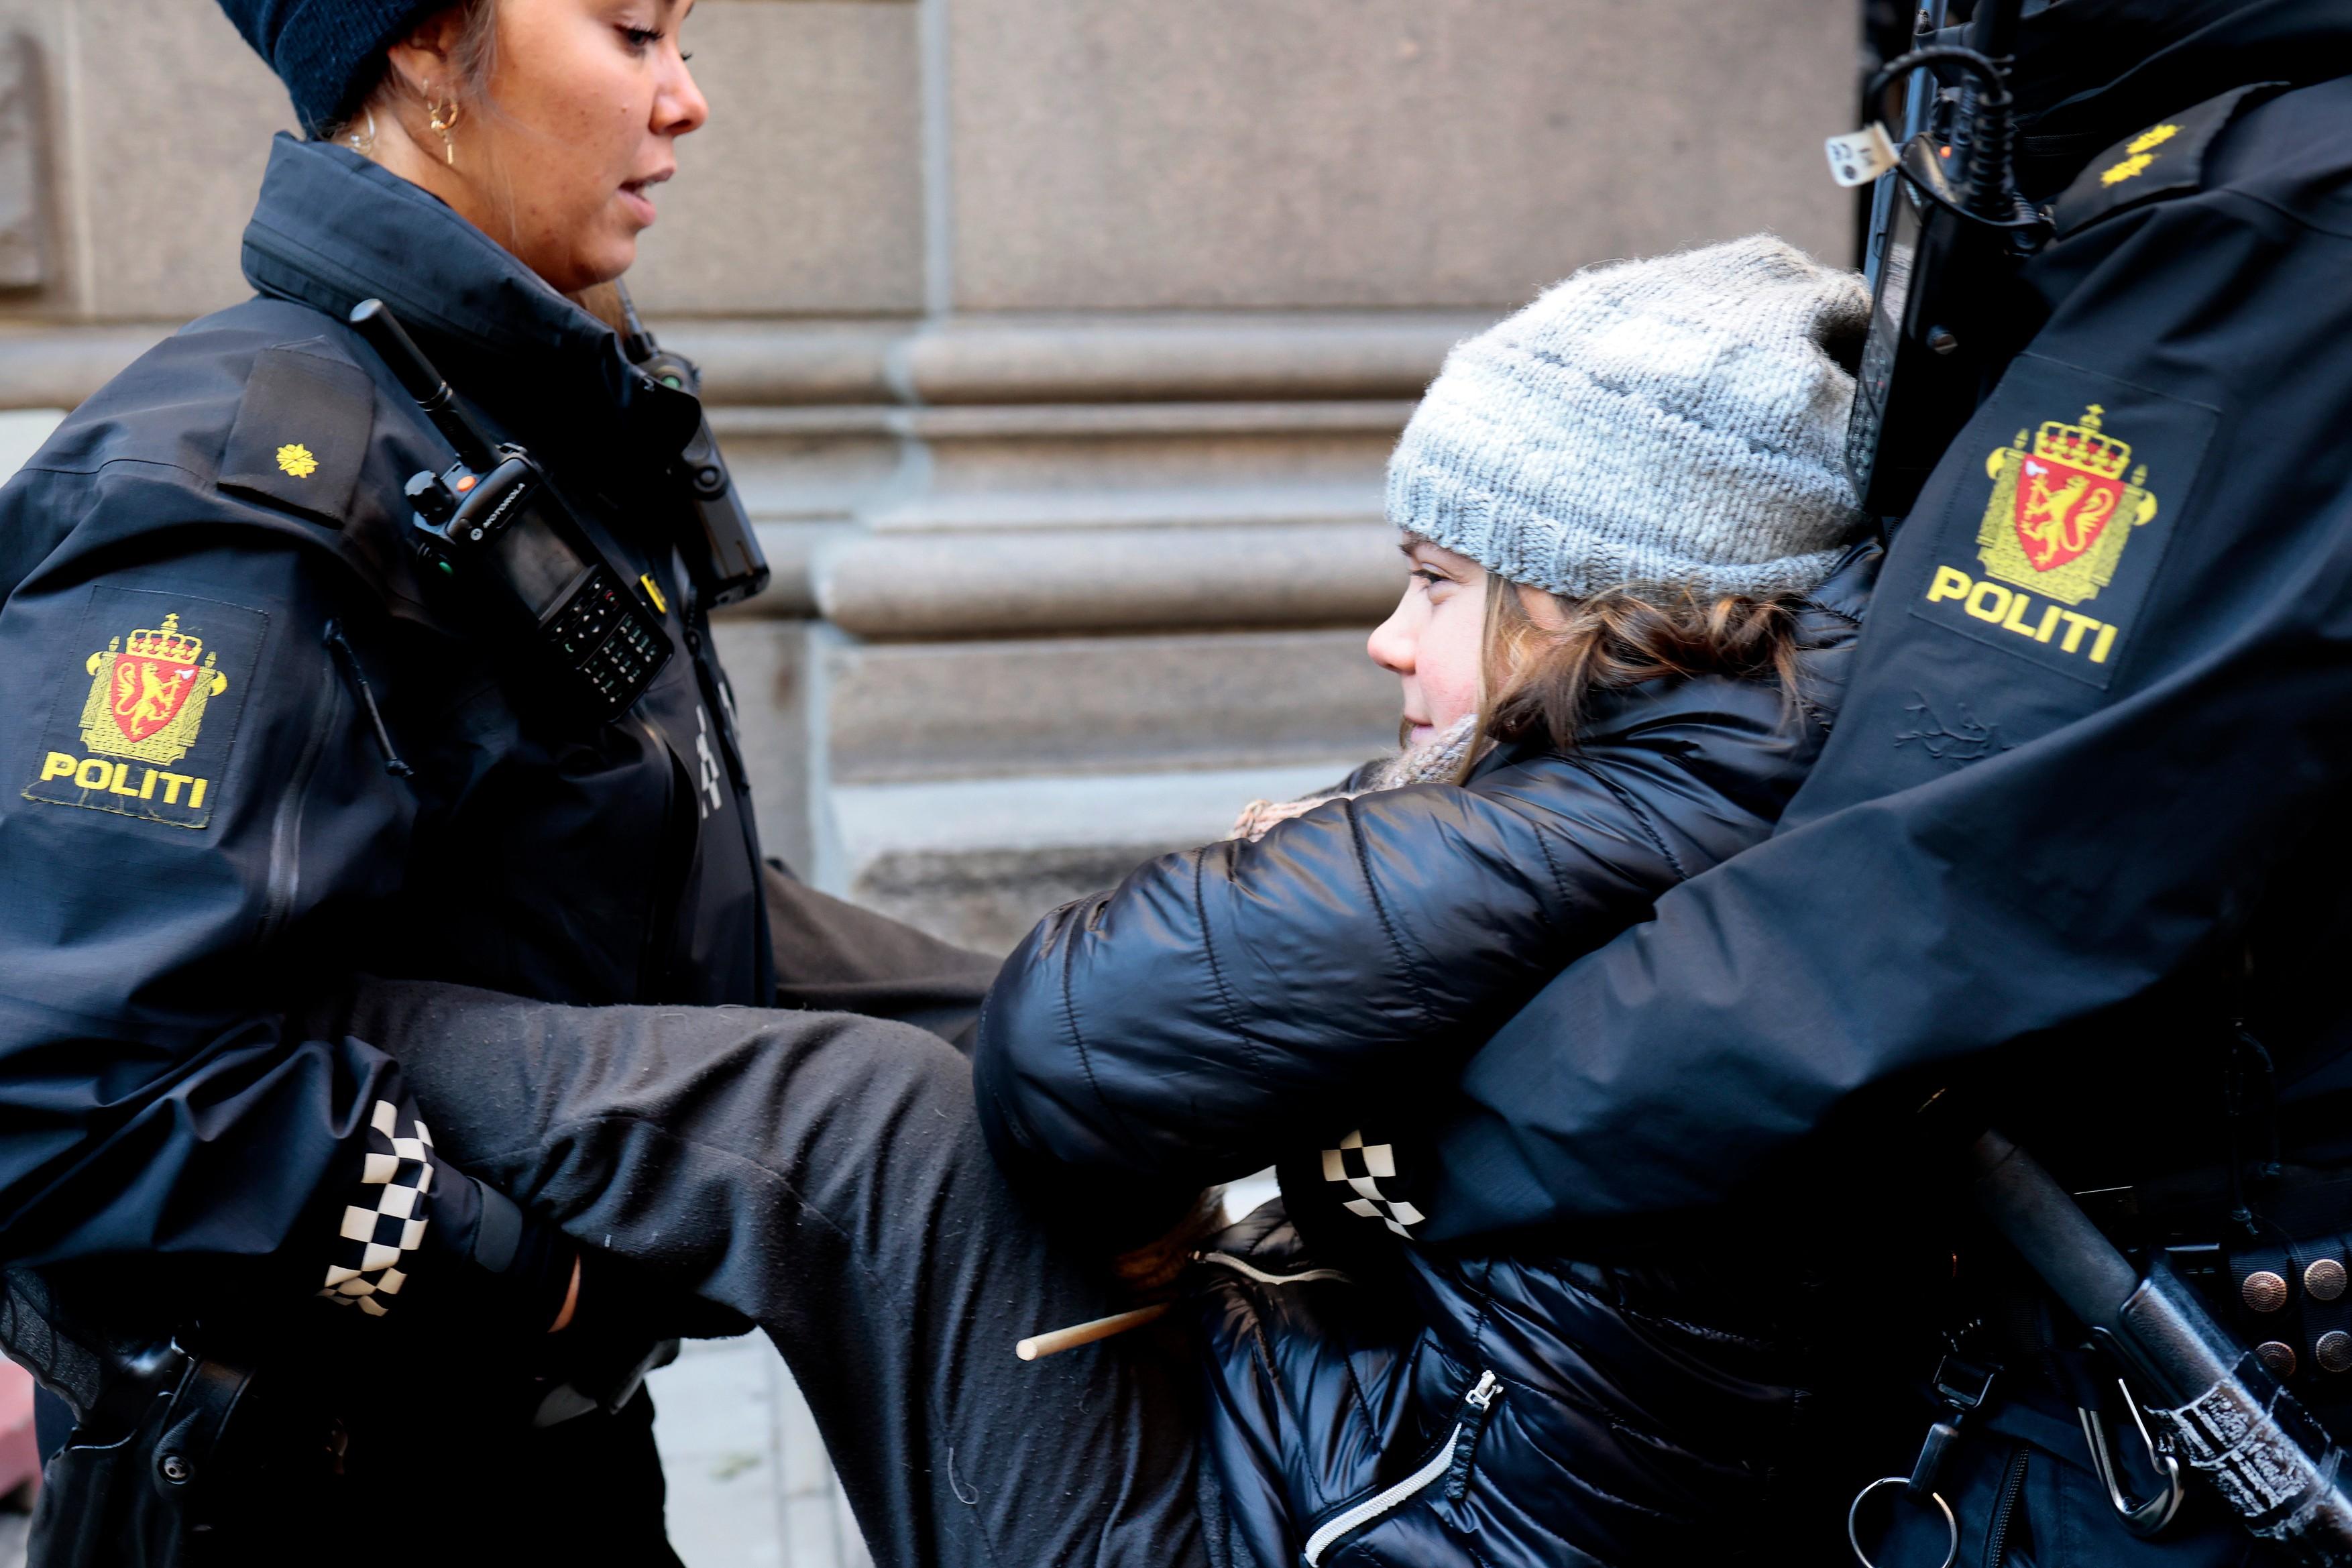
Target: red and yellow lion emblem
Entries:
(2061, 511)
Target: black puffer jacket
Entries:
(1242, 1004)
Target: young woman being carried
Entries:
(1637, 574)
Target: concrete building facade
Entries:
(1057, 345)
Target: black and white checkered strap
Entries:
(1362, 1167)
(385, 1227)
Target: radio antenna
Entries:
(373, 319)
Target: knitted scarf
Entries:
(1437, 760)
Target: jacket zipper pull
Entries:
(348, 661)
(1475, 1406)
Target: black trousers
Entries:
(822, 1173)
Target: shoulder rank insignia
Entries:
(150, 735)
(301, 432)
(2165, 159)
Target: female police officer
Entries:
(254, 746)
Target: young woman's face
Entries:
(586, 101)
(1434, 639)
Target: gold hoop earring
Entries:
(443, 118)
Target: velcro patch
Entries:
(301, 433)
(2049, 554)
(147, 706)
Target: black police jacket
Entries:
(2079, 842)
(2100, 728)
(248, 755)
(1227, 1007)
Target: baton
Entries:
(2275, 1468)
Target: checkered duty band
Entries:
(1362, 1167)
(387, 1224)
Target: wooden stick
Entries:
(1077, 1334)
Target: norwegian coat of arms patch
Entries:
(147, 700)
(2061, 512)
(149, 735)
(2069, 533)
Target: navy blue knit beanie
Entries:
(321, 49)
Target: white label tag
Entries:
(1858, 158)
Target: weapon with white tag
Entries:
(2226, 1417)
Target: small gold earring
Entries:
(443, 118)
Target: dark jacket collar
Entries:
(2091, 72)
(332, 228)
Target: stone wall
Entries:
(1057, 344)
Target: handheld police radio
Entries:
(725, 563)
(1940, 244)
(494, 529)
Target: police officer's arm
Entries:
(191, 797)
(2105, 686)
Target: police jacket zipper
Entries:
(284, 881)
(1451, 1463)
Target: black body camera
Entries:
(1948, 229)
(494, 530)
(723, 559)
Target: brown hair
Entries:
(1540, 679)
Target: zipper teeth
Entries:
(1996, 1538)
(1239, 1266)
(1388, 1500)
(1372, 1508)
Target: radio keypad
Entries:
(606, 642)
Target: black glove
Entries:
(1352, 1201)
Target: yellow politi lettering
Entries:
(1950, 582)
(57, 765)
(121, 784)
(196, 793)
(171, 783)
(96, 773)
(2014, 610)
(1988, 601)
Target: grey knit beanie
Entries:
(1665, 425)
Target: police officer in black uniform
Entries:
(2079, 845)
(250, 751)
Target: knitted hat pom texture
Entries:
(1663, 425)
